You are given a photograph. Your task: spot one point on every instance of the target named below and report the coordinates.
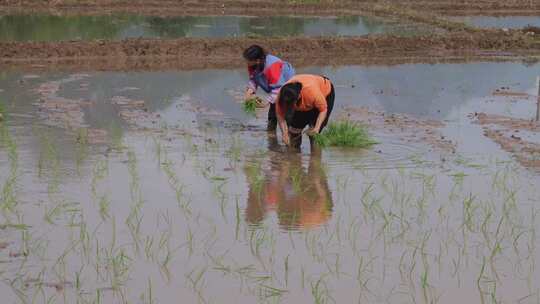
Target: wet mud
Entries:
(264, 8)
(407, 128)
(207, 53)
(507, 133)
(59, 111)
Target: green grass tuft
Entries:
(250, 106)
(344, 134)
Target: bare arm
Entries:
(320, 120)
(251, 89)
(321, 105)
(284, 130)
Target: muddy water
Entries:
(57, 28)
(199, 203)
(509, 22)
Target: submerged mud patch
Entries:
(505, 131)
(133, 111)
(506, 122)
(59, 111)
(68, 114)
(405, 127)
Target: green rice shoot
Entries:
(2, 111)
(344, 134)
(250, 106)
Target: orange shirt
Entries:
(313, 95)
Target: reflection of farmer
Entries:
(301, 199)
(304, 100)
(269, 73)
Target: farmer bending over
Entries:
(269, 73)
(304, 100)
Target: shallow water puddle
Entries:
(509, 22)
(220, 213)
(115, 27)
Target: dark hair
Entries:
(254, 52)
(288, 95)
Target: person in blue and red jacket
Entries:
(269, 73)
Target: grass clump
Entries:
(344, 134)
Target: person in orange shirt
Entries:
(304, 100)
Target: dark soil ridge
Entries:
(265, 7)
(206, 53)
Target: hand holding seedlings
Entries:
(250, 105)
(311, 131)
(248, 94)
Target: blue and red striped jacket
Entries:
(275, 74)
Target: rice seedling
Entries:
(268, 292)
(3, 113)
(81, 148)
(134, 219)
(320, 292)
(148, 297)
(190, 241)
(296, 179)
(117, 135)
(469, 213)
(237, 216)
(8, 199)
(235, 151)
(52, 214)
(178, 187)
(104, 203)
(344, 134)
(119, 265)
(255, 176)
(197, 282)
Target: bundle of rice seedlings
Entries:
(344, 134)
(250, 106)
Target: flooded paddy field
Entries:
(149, 187)
(118, 27)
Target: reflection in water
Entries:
(301, 198)
(58, 28)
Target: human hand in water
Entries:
(286, 139)
(312, 131)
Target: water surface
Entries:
(116, 27)
(509, 22)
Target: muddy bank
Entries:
(206, 53)
(265, 8)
